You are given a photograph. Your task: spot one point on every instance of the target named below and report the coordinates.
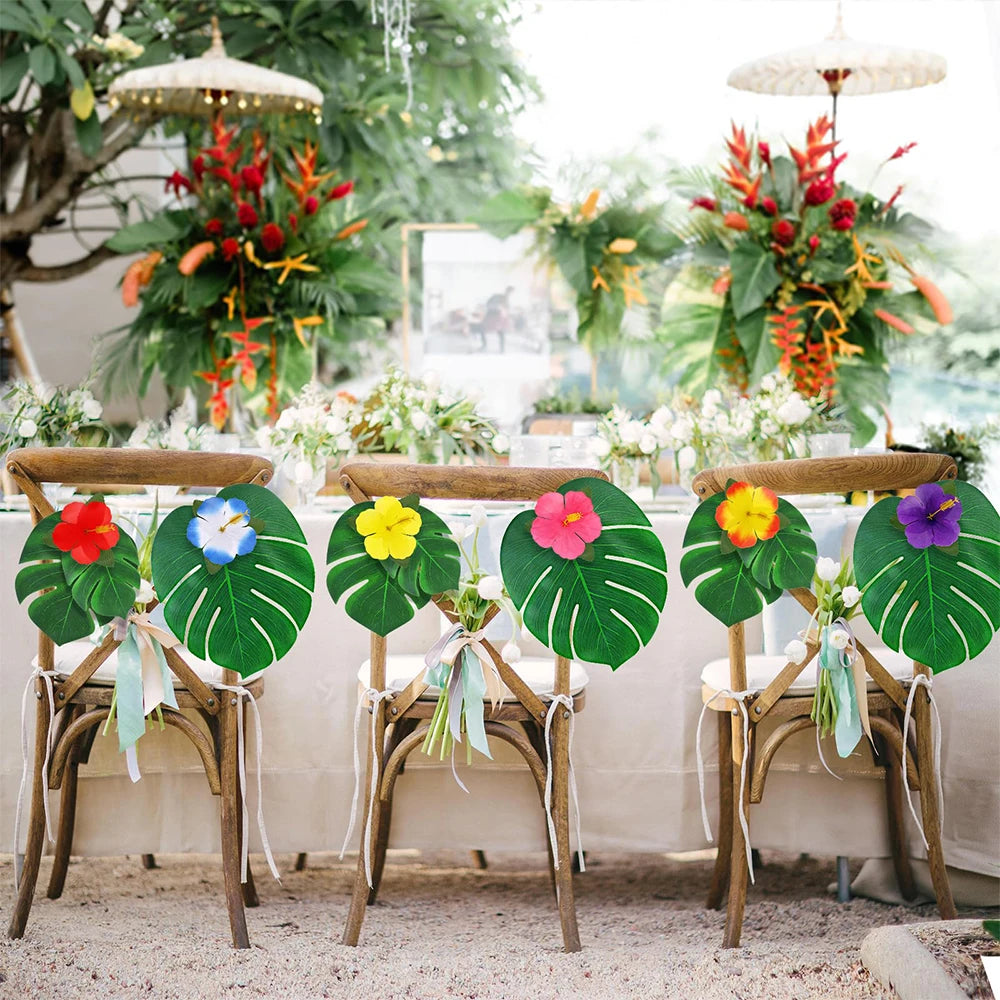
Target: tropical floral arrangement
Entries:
(625, 442)
(425, 420)
(41, 415)
(807, 275)
(242, 281)
(177, 433)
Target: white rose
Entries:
(478, 516)
(302, 473)
(263, 437)
(501, 443)
(146, 592)
(511, 653)
(632, 431)
(432, 380)
(796, 651)
(27, 429)
(768, 384)
(711, 398)
(92, 409)
(826, 569)
(686, 458)
(681, 429)
(335, 425)
(599, 447)
(490, 588)
(794, 410)
(287, 420)
(419, 420)
(768, 427)
(647, 443)
(344, 442)
(45, 392)
(850, 596)
(662, 417)
(839, 638)
(177, 437)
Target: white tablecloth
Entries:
(634, 752)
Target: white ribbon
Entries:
(46, 676)
(574, 801)
(242, 692)
(922, 680)
(738, 697)
(374, 698)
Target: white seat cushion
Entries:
(537, 672)
(761, 670)
(70, 656)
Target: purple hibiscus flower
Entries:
(931, 517)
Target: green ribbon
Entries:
(473, 692)
(128, 696)
(847, 730)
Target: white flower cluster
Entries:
(36, 414)
(311, 430)
(177, 433)
(118, 45)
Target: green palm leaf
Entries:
(787, 559)
(383, 594)
(939, 606)
(247, 614)
(602, 607)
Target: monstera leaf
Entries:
(602, 606)
(383, 594)
(940, 606)
(728, 588)
(784, 560)
(246, 614)
(73, 598)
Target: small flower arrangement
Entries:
(964, 444)
(177, 433)
(625, 443)
(426, 421)
(38, 415)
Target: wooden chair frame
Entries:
(81, 706)
(520, 722)
(886, 705)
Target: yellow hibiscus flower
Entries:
(748, 514)
(389, 528)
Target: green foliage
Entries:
(605, 605)
(939, 606)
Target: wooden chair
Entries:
(81, 703)
(520, 721)
(773, 700)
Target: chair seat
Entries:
(69, 657)
(536, 671)
(761, 670)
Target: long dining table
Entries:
(633, 748)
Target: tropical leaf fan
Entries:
(244, 613)
(384, 591)
(73, 596)
(938, 603)
(602, 604)
(734, 582)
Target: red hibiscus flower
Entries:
(272, 237)
(783, 232)
(214, 227)
(252, 178)
(704, 202)
(340, 191)
(842, 213)
(247, 215)
(565, 524)
(230, 248)
(85, 531)
(820, 191)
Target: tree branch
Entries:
(26, 271)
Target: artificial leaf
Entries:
(726, 586)
(435, 565)
(761, 352)
(754, 277)
(150, 233)
(108, 586)
(605, 605)
(940, 607)
(248, 613)
(784, 560)
(507, 213)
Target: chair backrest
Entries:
(846, 474)
(31, 467)
(365, 481)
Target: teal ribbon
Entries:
(128, 687)
(473, 692)
(847, 730)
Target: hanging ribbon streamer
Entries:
(241, 756)
(574, 802)
(46, 677)
(374, 699)
(740, 698)
(922, 680)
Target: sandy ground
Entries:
(441, 928)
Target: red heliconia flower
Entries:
(177, 181)
(293, 222)
(702, 201)
(783, 232)
(733, 220)
(842, 213)
(272, 237)
(769, 205)
(892, 200)
(340, 191)
(247, 215)
(252, 178)
(820, 191)
(752, 192)
(230, 248)
(765, 153)
(214, 227)
(738, 148)
(310, 205)
(85, 531)
(198, 166)
(901, 151)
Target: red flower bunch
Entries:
(85, 531)
(843, 213)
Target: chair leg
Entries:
(36, 826)
(479, 860)
(379, 848)
(300, 861)
(149, 862)
(720, 874)
(249, 888)
(231, 815)
(67, 812)
(894, 808)
(930, 815)
(738, 872)
(560, 810)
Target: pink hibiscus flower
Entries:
(565, 524)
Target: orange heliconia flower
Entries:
(589, 207)
(935, 298)
(894, 321)
(191, 261)
(138, 275)
(733, 220)
(354, 227)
